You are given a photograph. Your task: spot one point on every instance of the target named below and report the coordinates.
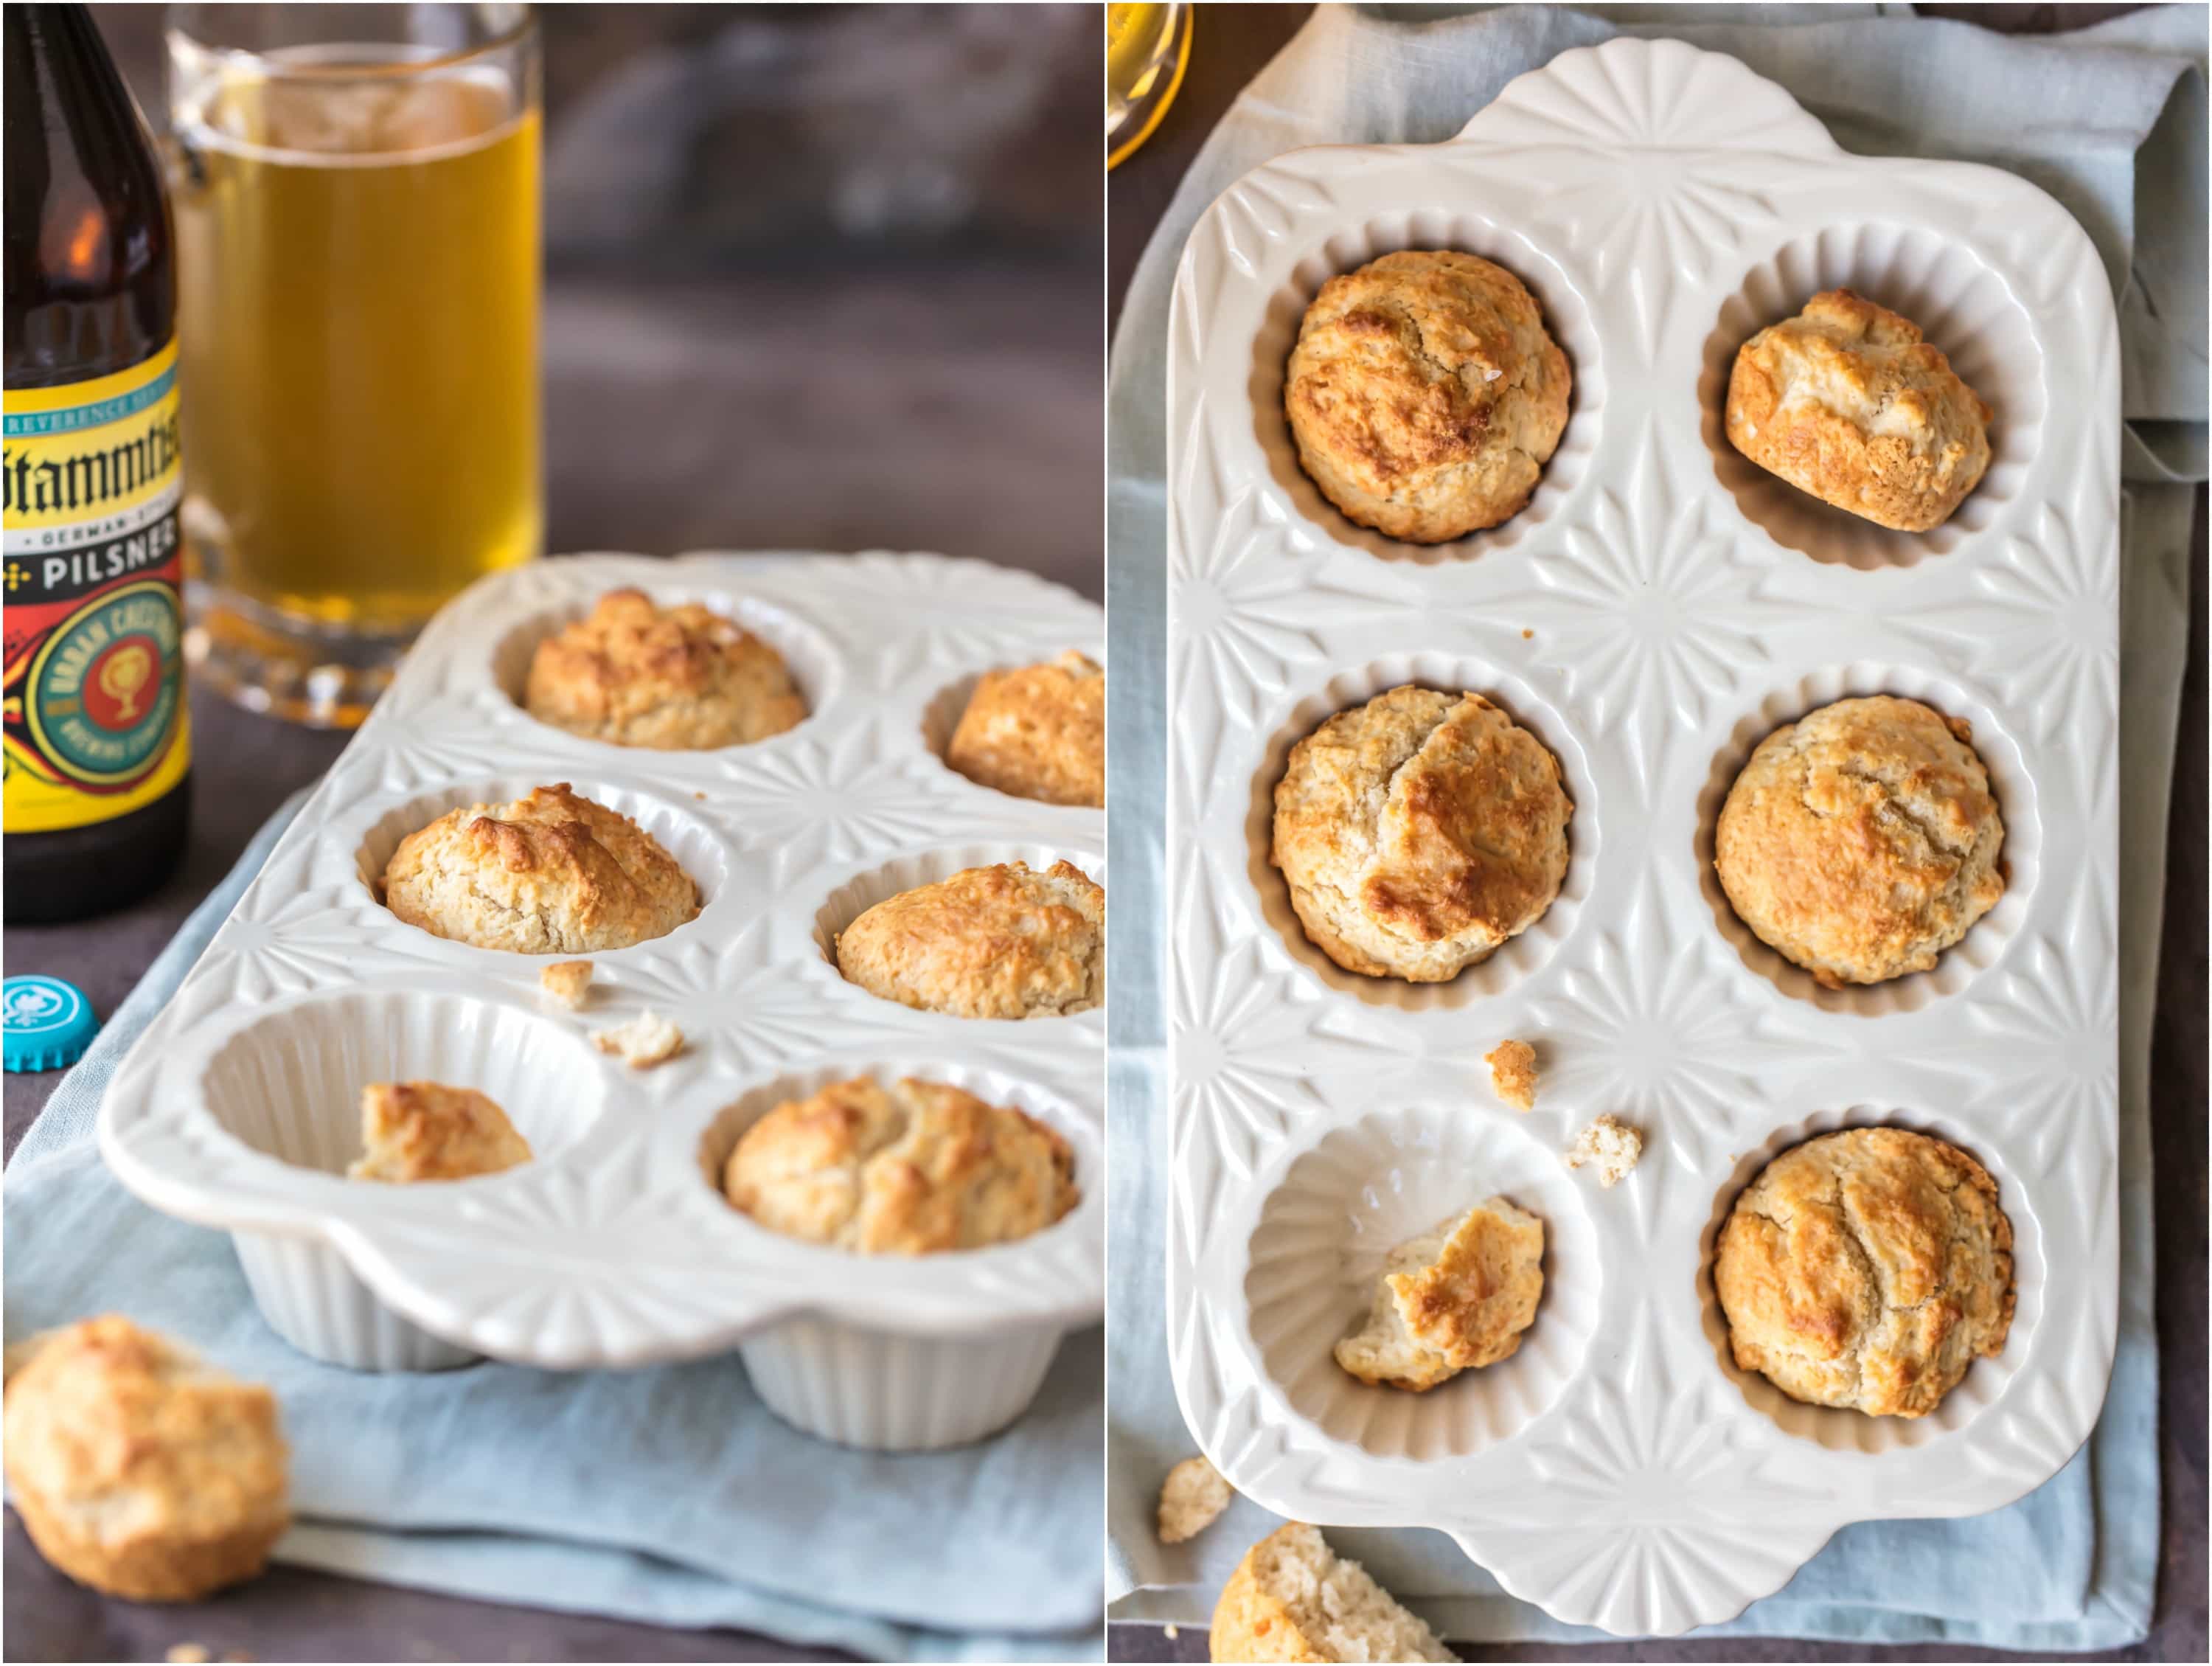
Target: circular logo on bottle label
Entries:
(101, 696)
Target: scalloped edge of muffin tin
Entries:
(1586, 160)
(606, 1251)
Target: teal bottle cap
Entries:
(48, 1023)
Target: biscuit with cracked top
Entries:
(1420, 832)
(1847, 402)
(683, 678)
(1038, 731)
(552, 872)
(999, 942)
(1425, 395)
(908, 1168)
(1863, 840)
(1867, 1269)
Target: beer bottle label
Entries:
(95, 723)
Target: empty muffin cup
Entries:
(287, 1084)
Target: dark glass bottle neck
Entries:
(90, 280)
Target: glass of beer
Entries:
(356, 191)
(1148, 49)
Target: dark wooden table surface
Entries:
(1233, 44)
(953, 404)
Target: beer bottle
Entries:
(97, 787)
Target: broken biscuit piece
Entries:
(567, 981)
(1191, 1499)
(1456, 1298)
(419, 1131)
(1293, 1598)
(1612, 1144)
(1513, 1073)
(646, 1040)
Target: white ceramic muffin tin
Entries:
(1659, 607)
(239, 1108)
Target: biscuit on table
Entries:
(550, 873)
(1425, 395)
(1037, 733)
(1867, 1269)
(140, 1470)
(1293, 1598)
(1456, 1299)
(418, 1131)
(1001, 942)
(1419, 832)
(683, 678)
(1863, 840)
(1847, 401)
(906, 1168)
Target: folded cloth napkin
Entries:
(2111, 121)
(669, 1495)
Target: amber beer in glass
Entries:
(356, 192)
(1148, 49)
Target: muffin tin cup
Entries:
(1657, 609)
(239, 1109)
(891, 1393)
(309, 1296)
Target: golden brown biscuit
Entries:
(1425, 394)
(417, 1131)
(906, 1169)
(551, 873)
(1001, 942)
(141, 1471)
(1419, 832)
(1453, 1299)
(677, 680)
(1037, 733)
(1863, 840)
(1293, 1598)
(1845, 401)
(1867, 1269)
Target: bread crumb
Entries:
(645, 1041)
(1513, 1073)
(567, 981)
(1527, 635)
(1191, 1499)
(701, 797)
(189, 1654)
(1612, 1144)
(1174, 1631)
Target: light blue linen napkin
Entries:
(669, 1495)
(2111, 121)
